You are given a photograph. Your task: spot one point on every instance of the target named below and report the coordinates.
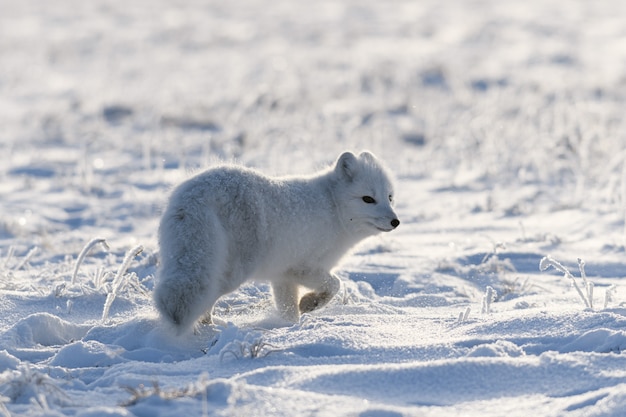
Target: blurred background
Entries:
(104, 105)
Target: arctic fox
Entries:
(230, 224)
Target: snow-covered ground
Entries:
(503, 121)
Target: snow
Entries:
(503, 122)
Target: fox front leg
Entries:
(321, 295)
(286, 300)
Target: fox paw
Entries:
(313, 300)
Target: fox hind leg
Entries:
(193, 249)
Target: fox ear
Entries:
(368, 156)
(347, 165)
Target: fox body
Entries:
(230, 224)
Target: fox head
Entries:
(364, 195)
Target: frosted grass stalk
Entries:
(464, 315)
(488, 298)
(588, 285)
(119, 278)
(98, 278)
(81, 256)
(547, 262)
(26, 258)
(467, 313)
(9, 256)
(608, 295)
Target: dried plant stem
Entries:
(548, 261)
(119, 278)
(464, 315)
(10, 253)
(588, 285)
(488, 298)
(608, 295)
(26, 258)
(85, 251)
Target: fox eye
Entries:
(390, 198)
(368, 199)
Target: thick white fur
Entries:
(230, 224)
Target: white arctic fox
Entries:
(229, 224)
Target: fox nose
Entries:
(395, 223)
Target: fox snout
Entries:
(388, 222)
(383, 228)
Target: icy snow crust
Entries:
(503, 121)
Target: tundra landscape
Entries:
(500, 292)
